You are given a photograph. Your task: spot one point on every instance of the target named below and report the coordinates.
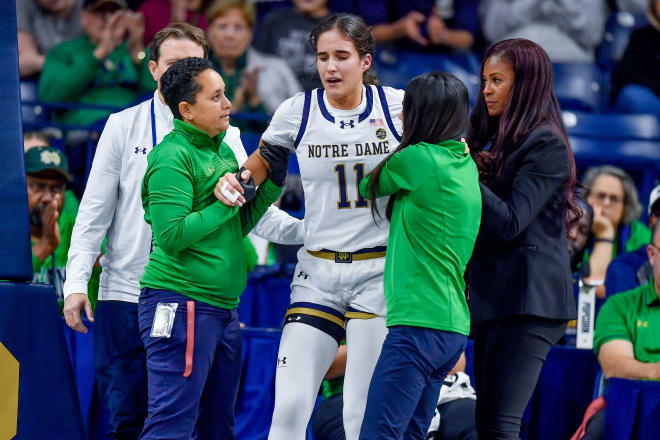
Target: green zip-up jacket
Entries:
(435, 221)
(198, 242)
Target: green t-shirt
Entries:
(71, 203)
(435, 222)
(632, 316)
(198, 245)
(42, 272)
(72, 74)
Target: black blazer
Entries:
(520, 264)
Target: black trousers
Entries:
(508, 356)
(456, 422)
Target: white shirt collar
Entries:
(161, 110)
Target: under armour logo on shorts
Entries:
(138, 149)
(303, 275)
(281, 362)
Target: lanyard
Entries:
(153, 124)
(154, 142)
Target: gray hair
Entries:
(632, 209)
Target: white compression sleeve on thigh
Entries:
(364, 339)
(304, 356)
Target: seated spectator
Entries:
(453, 418)
(615, 229)
(568, 30)
(285, 33)
(636, 79)
(41, 25)
(106, 66)
(254, 82)
(626, 334)
(439, 25)
(47, 172)
(32, 139)
(159, 13)
(632, 269)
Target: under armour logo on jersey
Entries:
(138, 149)
(344, 124)
(281, 362)
(293, 318)
(303, 275)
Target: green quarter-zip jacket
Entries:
(434, 225)
(197, 241)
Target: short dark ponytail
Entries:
(354, 28)
(179, 82)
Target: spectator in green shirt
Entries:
(33, 139)
(106, 66)
(616, 229)
(627, 333)
(434, 211)
(51, 223)
(197, 270)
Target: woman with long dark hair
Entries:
(519, 278)
(434, 209)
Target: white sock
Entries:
(364, 339)
(304, 356)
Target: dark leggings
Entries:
(508, 356)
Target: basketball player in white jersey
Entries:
(339, 134)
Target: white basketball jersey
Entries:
(335, 150)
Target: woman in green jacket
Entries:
(197, 269)
(434, 211)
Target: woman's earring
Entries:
(190, 118)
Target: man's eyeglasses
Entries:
(41, 187)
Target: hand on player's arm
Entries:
(267, 161)
(73, 305)
(229, 184)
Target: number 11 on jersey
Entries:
(343, 202)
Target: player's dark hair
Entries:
(354, 28)
(177, 31)
(179, 83)
(435, 109)
(532, 104)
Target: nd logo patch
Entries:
(381, 133)
(9, 396)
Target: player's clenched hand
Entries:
(73, 304)
(228, 185)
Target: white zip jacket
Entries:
(112, 206)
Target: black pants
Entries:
(596, 426)
(328, 421)
(120, 366)
(456, 422)
(508, 356)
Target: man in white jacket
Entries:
(111, 206)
